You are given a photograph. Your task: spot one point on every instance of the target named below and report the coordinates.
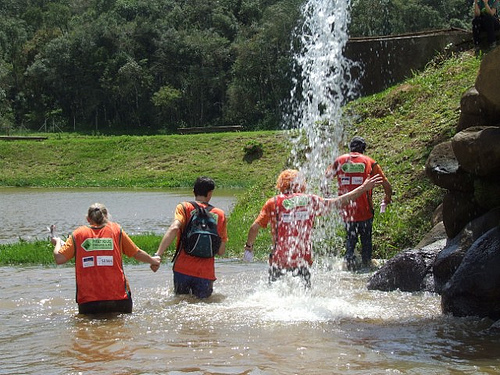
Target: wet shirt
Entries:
(351, 170)
(98, 262)
(128, 247)
(191, 265)
(291, 217)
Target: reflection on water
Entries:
(26, 213)
(246, 327)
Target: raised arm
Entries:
(367, 185)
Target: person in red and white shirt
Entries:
(291, 216)
(351, 170)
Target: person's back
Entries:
(291, 228)
(194, 274)
(101, 285)
(194, 265)
(352, 170)
(98, 262)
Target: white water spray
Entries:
(322, 86)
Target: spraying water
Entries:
(322, 85)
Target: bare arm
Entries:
(489, 10)
(144, 257)
(222, 248)
(252, 235)
(388, 191)
(58, 257)
(169, 237)
(477, 11)
(367, 185)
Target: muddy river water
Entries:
(246, 327)
(26, 213)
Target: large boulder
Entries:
(450, 258)
(477, 150)
(486, 193)
(473, 110)
(409, 271)
(443, 168)
(458, 209)
(474, 289)
(488, 79)
(437, 233)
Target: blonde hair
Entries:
(291, 181)
(98, 213)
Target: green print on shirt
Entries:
(93, 244)
(301, 200)
(353, 168)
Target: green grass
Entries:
(139, 161)
(401, 126)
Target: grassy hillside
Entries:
(401, 126)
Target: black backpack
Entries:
(200, 237)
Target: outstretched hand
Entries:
(373, 181)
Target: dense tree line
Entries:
(155, 65)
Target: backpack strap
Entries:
(198, 207)
(179, 243)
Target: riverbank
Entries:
(401, 126)
(173, 161)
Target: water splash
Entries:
(322, 85)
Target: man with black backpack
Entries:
(201, 234)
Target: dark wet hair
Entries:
(203, 185)
(98, 213)
(357, 144)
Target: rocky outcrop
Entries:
(474, 288)
(450, 257)
(409, 271)
(464, 266)
(477, 151)
(468, 167)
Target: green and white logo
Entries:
(298, 201)
(353, 168)
(93, 244)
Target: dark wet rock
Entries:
(473, 103)
(465, 269)
(450, 258)
(468, 120)
(488, 79)
(473, 110)
(477, 150)
(459, 208)
(486, 193)
(474, 289)
(409, 271)
(494, 328)
(443, 168)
